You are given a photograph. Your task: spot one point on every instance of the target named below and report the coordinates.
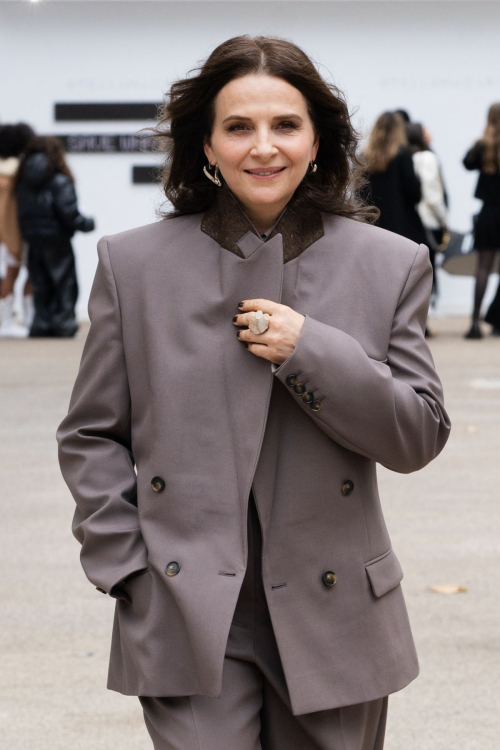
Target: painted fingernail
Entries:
(235, 319)
(240, 304)
(237, 334)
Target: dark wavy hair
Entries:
(187, 114)
(14, 139)
(53, 149)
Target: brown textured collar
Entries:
(226, 222)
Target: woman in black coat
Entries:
(393, 187)
(48, 218)
(485, 157)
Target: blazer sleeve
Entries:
(391, 412)
(473, 158)
(95, 452)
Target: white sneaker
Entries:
(8, 329)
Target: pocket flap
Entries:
(384, 573)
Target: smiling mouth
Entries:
(265, 172)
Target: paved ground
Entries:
(444, 521)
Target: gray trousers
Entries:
(253, 711)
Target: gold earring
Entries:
(213, 177)
(312, 167)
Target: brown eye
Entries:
(287, 125)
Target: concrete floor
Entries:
(444, 521)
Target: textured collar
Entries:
(226, 222)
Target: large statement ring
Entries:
(259, 321)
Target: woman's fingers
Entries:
(266, 305)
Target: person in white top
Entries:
(432, 207)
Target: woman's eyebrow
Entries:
(293, 115)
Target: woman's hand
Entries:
(278, 342)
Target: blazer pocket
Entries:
(384, 573)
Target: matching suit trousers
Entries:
(253, 711)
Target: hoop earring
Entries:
(312, 167)
(215, 177)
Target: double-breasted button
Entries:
(101, 590)
(347, 487)
(172, 568)
(329, 578)
(292, 380)
(299, 388)
(158, 484)
(316, 405)
(308, 397)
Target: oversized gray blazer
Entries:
(166, 392)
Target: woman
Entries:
(48, 217)
(13, 141)
(394, 187)
(432, 206)
(255, 581)
(485, 157)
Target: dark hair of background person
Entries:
(491, 140)
(415, 136)
(187, 115)
(14, 139)
(385, 139)
(53, 148)
(404, 114)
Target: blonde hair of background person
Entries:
(385, 139)
(491, 140)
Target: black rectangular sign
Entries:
(110, 111)
(145, 175)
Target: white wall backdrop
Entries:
(439, 60)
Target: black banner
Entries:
(110, 111)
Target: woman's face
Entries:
(262, 140)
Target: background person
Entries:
(48, 217)
(484, 156)
(231, 552)
(13, 141)
(393, 186)
(432, 206)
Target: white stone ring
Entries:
(258, 322)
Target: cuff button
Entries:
(292, 380)
(299, 388)
(101, 590)
(316, 405)
(308, 397)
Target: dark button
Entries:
(308, 397)
(299, 388)
(172, 568)
(329, 578)
(101, 590)
(291, 380)
(347, 487)
(316, 405)
(263, 236)
(158, 484)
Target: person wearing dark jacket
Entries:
(393, 186)
(484, 156)
(48, 218)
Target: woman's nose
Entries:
(263, 146)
